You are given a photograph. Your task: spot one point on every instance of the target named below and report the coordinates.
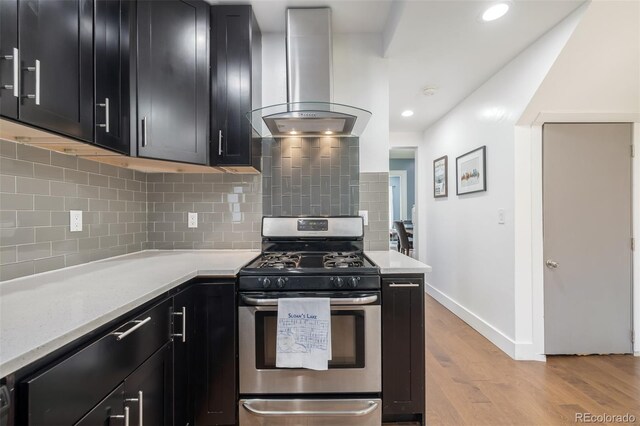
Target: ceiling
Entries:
(444, 44)
(347, 15)
(441, 43)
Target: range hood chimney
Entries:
(309, 110)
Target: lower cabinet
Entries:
(205, 363)
(172, 363)
(403, 372)
(143, 398)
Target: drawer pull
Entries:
(139, 323)
(124, 416)
(139, 400)
(183, 314)
(404, 285)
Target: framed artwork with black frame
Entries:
(471, 173)
(440, 177)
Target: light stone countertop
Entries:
(392, 262)
(42, 313)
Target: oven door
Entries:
(355, 366)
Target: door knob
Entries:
(552, 264)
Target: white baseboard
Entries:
(522, 351)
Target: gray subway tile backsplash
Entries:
(126, 211)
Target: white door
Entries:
(587, 238)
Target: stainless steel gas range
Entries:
(311, 257)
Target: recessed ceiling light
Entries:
(495, 11)
(407, 113)
(328, 132)
(293, 132)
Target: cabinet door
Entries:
(110, 411)
(214, 355)
(184, 350)
(403, 379)
(111, 49)
(56, 55)
(173, 88)
(9, 63)
(234, 33)
(148, 390)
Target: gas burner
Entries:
(279, 260)
(342, 260)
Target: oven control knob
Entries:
(266, 283)
(353, 282)
(338, 282)
(280, 282)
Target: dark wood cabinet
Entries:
(148, 391)
(184, 350)
(403, 347)
(108, 411)
(9, 59)
(173, 84)
(55, 39)
(235, 81)
(112, 50)
(214, 358)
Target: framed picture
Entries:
(440, 173)
(471, 174)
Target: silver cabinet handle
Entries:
(183, 314)
(219, 142)
(551, 264)
(35, 69)
(140, 401)
(363, 300)
(105, 105)
(371, 407)
(16, 72)
(139, 323)
(124, 416)
(144, 131)
(404, 285)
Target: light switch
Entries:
(75, 220)
(365, 216)
(501, 216)
(192, 221)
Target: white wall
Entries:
(473, 257)
(360, 79)
(595, 79)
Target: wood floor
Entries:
(472, 382)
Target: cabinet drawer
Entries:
(67, 391)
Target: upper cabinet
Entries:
(51, 64)
(111, 50)
(173, 84)
(9, 59)
(235, 85)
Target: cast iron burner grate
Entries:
(280, 260)
(342, 260)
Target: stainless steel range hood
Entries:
(309, 110)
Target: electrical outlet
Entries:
(75, 220)
(365, 216)
(501, 216)
(192, 221)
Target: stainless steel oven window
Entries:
(347, 339)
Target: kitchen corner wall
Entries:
(229, 211)
(38, 187)
(374, 197)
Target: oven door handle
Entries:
(371, 407)
(363, 300)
